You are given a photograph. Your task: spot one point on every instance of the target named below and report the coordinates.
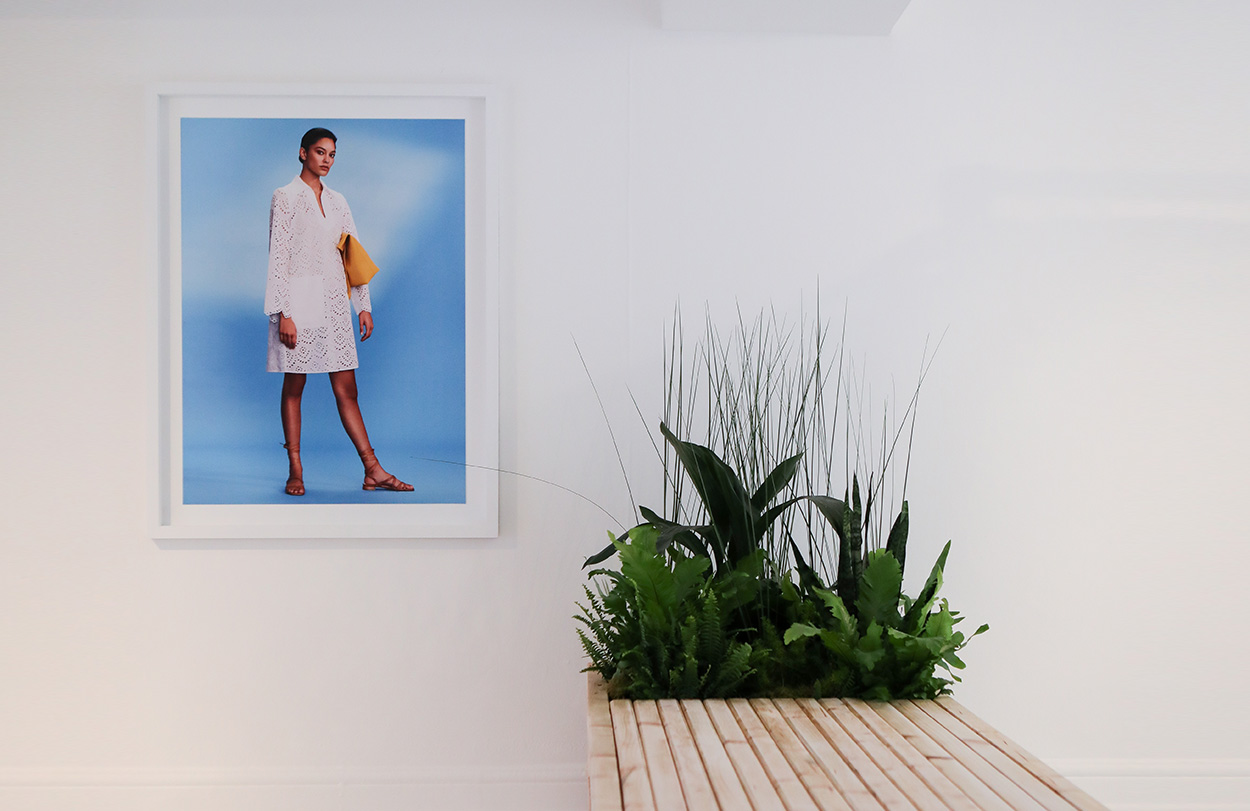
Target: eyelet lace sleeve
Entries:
(360, 293)
(281, 237)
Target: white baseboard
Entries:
(1120, 784)
(1162, 784)
(537, 788)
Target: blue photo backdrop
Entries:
(405, 182)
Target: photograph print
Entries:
(328, 288)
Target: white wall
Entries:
(1062, 184)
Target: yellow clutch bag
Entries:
(356, 262)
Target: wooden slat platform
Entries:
(792, 754)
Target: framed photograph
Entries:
(263, 344)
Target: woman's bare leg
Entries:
(376, 478)
(292, 395)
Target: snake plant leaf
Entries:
(897, 543)
(837, 512)
(850, 550)
(844, 517)
(808, 578)
(920, 609)
(879, 590)
(775, 482)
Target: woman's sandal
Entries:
(294, 483)
(389, 482)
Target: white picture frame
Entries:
(177, 512)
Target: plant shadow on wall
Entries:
(762, 583)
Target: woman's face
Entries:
(319, 157)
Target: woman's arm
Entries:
(281, 239)
(360, 293)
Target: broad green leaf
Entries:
(653, 582)
(670, 531)
(723, 494)
(737, 589)
(689, 574)
(837, 608)
(939, 624)
(879, 590)
(870, 649)
(643, 535)
(767, 519)
(800, 631)
(775, 482)
(832, 509)
(603, 554)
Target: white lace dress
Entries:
(306, 281)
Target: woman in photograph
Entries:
(306, 299)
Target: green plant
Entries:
(765, 584)
(738, 521)
(663, 628)
(887, 645)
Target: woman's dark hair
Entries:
(314, 135)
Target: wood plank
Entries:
(635, 783)
(875, 780)
(751, 772)
(807, 755)
(943, 761)
(818, 783)
(1035, 789)
(1013, 750)
(601, 771)
(730, 795)
(1016, 797)
(665, 785)
(852, 793)
(946, 791)
(695, 785)
(920, 795)
(779, 772)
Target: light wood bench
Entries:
(790, 754)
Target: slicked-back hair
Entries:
(314, 135)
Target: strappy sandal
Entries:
(390, 482)
(294, 484)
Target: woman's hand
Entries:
(286, 331)
(366, 325)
